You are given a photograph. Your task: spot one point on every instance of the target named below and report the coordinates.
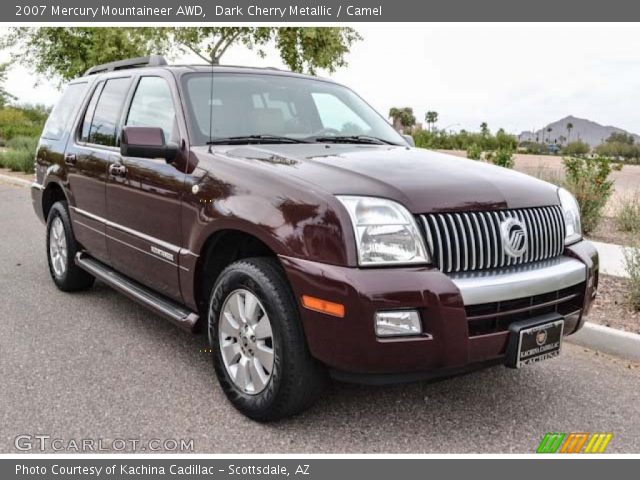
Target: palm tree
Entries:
(569, 128)
(394, 114)
(549, 130)
(402, 117)
(431, 118)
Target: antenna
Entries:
(211, 110)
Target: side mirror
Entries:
(146, 142)
(409, 139)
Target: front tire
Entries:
(260, 353)
(61, 252)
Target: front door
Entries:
(144, 196)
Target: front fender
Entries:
(292, 221)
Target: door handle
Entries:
(70, 158)
(117, 170)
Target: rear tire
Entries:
(266, 371)
(61, 251)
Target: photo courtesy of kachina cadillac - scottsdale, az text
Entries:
(324, 244)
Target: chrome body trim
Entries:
(37, 186)
(166, 245)
(474, 241)
(519, 281)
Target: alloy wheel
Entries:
(246, 341)
(58, 247)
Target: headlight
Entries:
(571, 213)
(386, 233)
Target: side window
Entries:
(152, 106)
(335, 114)
(88, 114)
(104, 124)
(58, 120)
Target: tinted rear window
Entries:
(58, 121)
(106, 117)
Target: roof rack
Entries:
(148, 61)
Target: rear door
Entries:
(144, 196)
(88, 156)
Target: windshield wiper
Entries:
(262, 138)
(365, 139)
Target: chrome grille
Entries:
(468, 241)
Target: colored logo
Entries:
(514, 237)
(541, 337)
(574, 442)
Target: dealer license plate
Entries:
(536, 343)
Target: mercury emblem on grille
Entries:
(514, 237)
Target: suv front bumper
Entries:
(459, 333)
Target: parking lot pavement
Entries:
(95, 365)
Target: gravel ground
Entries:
(612, 307)
(96, 365)
(608, 232)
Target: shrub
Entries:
(22, 142)
(576, 149)
(474, 152)
(21, 121)
(546, 174)
(20, 154)
(503, 157)
(533, 148)
(632, 264)
(628, 214)
(423, 139)
(588, 180)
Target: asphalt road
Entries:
(96, 365)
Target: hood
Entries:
(422, 180)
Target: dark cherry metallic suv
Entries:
(285, 216)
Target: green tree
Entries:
(66, 52)
(621, 137)
(504, 141)
(431, 118)
(484, 129)
(302, 49)
(402, 117)
(5, 97)
(619, 145)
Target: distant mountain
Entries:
(586, 130)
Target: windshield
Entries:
(280, 107)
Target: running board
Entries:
(172, 311)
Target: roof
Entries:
(158, 61)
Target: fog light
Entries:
(398, 323)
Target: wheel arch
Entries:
(221, 249)
(52, 193)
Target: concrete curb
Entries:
(15, 180)
(612, 260)
(608, 340)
